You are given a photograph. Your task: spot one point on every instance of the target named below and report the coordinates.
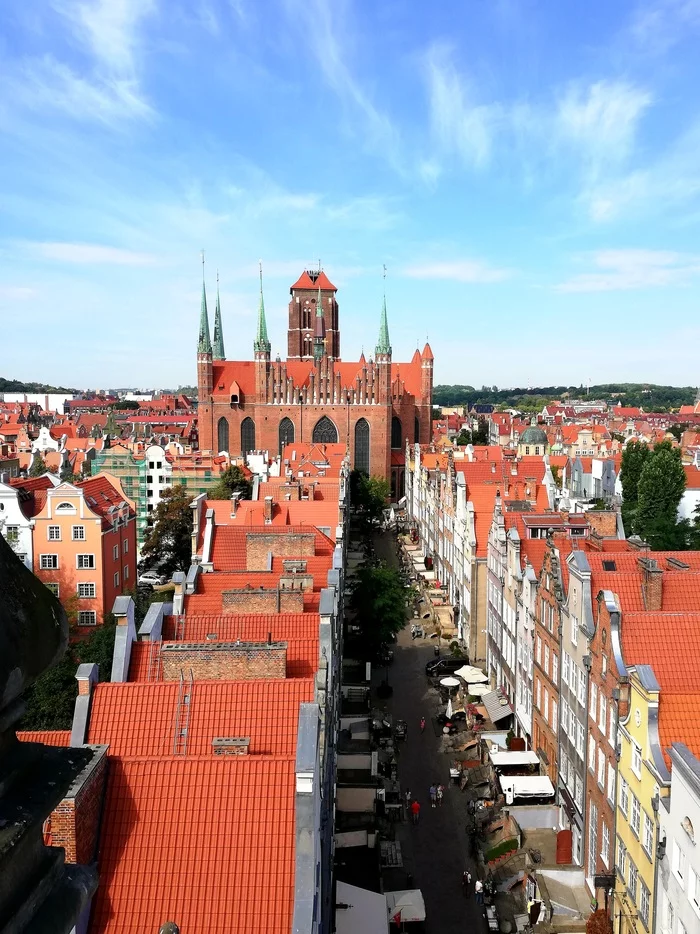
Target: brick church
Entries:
(373, 406)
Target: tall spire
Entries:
(218, 345)
(204, 345)
(262, 343)
(383, 344)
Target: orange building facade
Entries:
(85, 546)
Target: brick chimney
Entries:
(230, 745)
(74, 823)
(235, 498)
(652, 584)
(268, 508)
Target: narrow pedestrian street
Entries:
(436, 851)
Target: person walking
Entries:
(415, 811)
(422, 724)
(439, 792)
(407, 797)
(433, 795)
(479, 892)
(466, 881)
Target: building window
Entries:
(602, 713)
(574, 630)
(555, 668)
(694, 891)
(644, 900)
(633, 878)
(591, 753)
(527, 449)
(116, 579)
(545, 706)
(539, 694)
(546, 659)
(86, 591)
(48, 562)
(670, 916)
(362, 445)
(578, 793)
(635, 816)
(54, 588)
(126, 572)
(636, 759)
(125, 546)
(416, 430)
(612, 730)
(54, 533)
(324, 432)
(678, 864)
(396, 433)
(539, 651)
(115, 552)
(605, 845)
(222, 435)
(611, 784)
(86, 562)
(78, 533)
(648, 838)
(554, 715)
(593, 706)
(285, 433)
(592, 839)
(87, 618)
(12, 533)
(601, 768)
(248, 435)
(624, 797)
(622, 859)
(580, 739)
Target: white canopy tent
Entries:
(526, 786)
(502, 758)
(470, 674)
(408, 903)
(363, 910)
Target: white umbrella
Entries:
(470, 674)
(478, 689)
(450, 682)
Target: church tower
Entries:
(205, 375)
(312, 290)
(382, 358)
(218, 351)
(261, 349)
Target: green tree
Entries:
(125, 405)
(66, 474)
(231, 481)
(480, 437)
(659, 491)
(379, 600)
(371, 498)
(38, 467)
(634, 457)
(168, 540)
(464, 437)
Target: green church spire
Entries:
(218, 345)
(204, 345)
(262, 343)
(383, 344)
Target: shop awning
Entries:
(514, 758)
(497, 706)
(527, 786)
(406, 906)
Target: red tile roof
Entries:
(102, 496)
(250, 628)
(138, 719)
(679, 721)
(303, 282)
(323, 282)
(48, 737)
(206, 842)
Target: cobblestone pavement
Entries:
(436, 851)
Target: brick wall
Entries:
(224, 661)
(75, 822)
(604, 523)
(284, 545)
(259, 600)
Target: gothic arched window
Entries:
(362, 445)
(324, 432)
(416, 430)
(396, 432)
(222, 435)
(286, 433)
(247, 435)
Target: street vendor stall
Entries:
(525, 786)
(405, 906)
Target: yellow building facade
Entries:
(642, 778)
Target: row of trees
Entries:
(479, 438)
(648, 395)
(653, 483)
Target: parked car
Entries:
(438, 667)
(151, 579)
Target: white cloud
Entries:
(634, 269)
(459, 271)
(458, 124)
(16, 293)
(602, 119)
(109, 28)
(90, 254)
(659, 25)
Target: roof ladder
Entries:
(182, 718)
(155, 665)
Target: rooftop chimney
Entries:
(235, 498)
(652, 584)
(230, 745)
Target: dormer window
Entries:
(65, 507)
(234, 399)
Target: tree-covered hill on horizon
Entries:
(649, 396)
(18, 385)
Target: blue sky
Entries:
(529, 173)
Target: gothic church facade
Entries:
(373, 407)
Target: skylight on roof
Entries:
(609, 565)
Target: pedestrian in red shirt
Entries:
(415, 811)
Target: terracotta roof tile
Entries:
(224, 863)
(679, 721)
(48, 737)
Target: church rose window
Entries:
(396, 432)
(286, 433)
(222, 435)
(247, 435)
(362, 445)
(324, 432)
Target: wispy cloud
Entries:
(109, 29)
(16, 293)
(459, 124)
(659, 25)
(634, 269)
(465, 270)
(89, 254)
